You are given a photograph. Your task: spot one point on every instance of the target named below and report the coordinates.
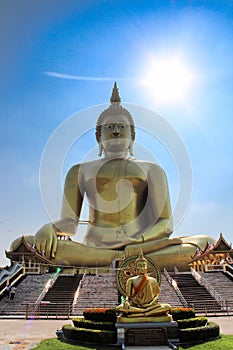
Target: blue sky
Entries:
(61, 57)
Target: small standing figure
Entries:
(7, 291)
(12, 293)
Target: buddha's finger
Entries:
(54, 247)
(38, 245)
(43, 246)
(48, 249)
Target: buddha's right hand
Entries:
(46, 240)
(126, 305)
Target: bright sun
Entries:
(168, 80)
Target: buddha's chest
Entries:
(118, 177)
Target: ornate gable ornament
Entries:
(220, 246)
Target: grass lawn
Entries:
(225, 343)
(52, 344)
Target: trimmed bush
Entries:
(181, 313)
(95, 336)
(204, 333)
(81, 322)
(100, 314)
(192, 322)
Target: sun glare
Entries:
(168, 80)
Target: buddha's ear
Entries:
(101, 149)
(131, 148)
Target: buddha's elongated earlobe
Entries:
(101, 149)
(131, 148)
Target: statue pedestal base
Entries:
(146, 333)
(143, 319)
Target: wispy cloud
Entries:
(78, 77)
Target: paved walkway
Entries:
(23, 334)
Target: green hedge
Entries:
(81, 322)
(181, 313)
(100, 314)
(192, 322)
(204, 333)
(95, 336)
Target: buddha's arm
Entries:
(46, 236)
(158, 196)
(128, 293)
(72, 203)
(128, 288)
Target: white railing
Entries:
(12, 276)
(33, 269)
(228, 269)
(48, 285)
(4, 274)
(76, 295)
(173, 283)
(216, 267)
(203, 282)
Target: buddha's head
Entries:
(141, 265)
(114, 123)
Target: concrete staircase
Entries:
(196, 295)
(97, 291)
(58, 301)
(101, 291)
(221, 282)
(28, 291)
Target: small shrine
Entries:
(29, 256)
(213, 256)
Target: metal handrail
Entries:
(203, 282)
(173, 283)
(48, 310)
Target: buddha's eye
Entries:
(109, 126)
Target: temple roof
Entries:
(24, 249)
(220, 246)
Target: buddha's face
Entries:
(141, 267)
(115, 134)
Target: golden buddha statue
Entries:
(141, 300)
(129, 205)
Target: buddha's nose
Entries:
(116, 129)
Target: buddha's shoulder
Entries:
(149, 166)
(84, 166)
(152, 279)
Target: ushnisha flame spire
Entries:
(115, 98)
